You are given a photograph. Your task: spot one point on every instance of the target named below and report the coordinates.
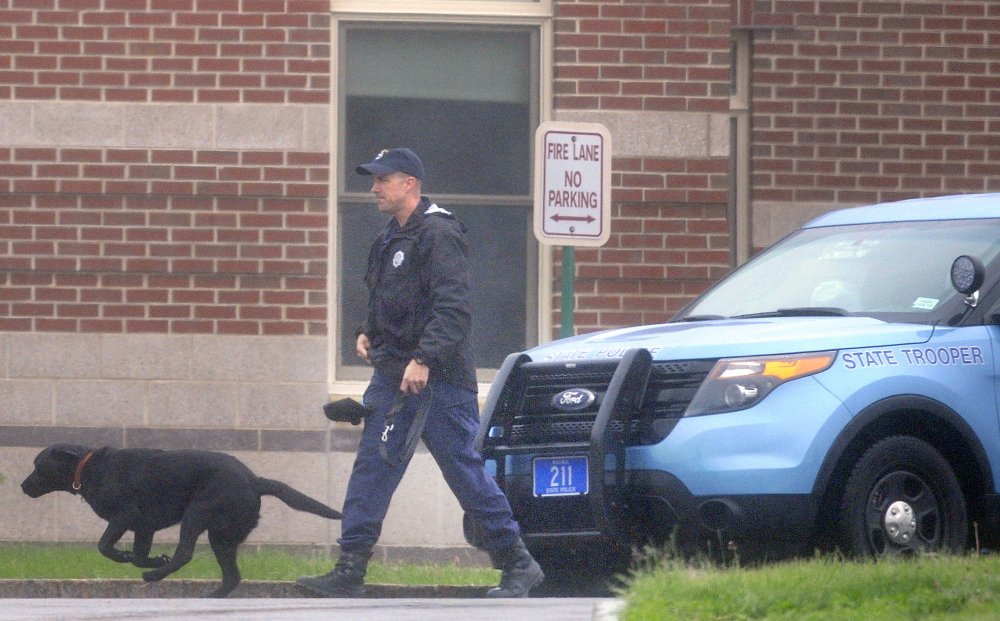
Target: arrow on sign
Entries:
(587, 219)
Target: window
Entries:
(464, 97)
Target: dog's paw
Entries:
(152, 576)
(125, 556)
(151, 562)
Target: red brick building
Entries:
(181, 230)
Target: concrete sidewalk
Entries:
(170, 589)
(541, 609)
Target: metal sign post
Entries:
(572, 195)
(568, 273)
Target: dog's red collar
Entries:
(77, 483)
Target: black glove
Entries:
(345, 411)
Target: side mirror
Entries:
(967, 274)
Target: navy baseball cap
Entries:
(394, 160)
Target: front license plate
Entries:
(561, 476)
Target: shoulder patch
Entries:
(435, 209)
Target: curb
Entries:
(125, 589)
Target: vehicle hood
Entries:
(727, 338)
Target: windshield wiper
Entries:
(701, 318)
(803, 311)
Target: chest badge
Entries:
(397, 259)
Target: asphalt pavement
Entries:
(292, 609)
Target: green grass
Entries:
(823, 589)
(80, 561)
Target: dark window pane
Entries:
(461, 97)
(438, 62)
(498, 250)
(467, 147)
(358, 226)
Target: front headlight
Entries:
(741, 383)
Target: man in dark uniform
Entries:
(417, 337)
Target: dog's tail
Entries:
(295, 499)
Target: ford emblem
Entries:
(573, 400)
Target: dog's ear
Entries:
(69, 453)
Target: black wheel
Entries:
(902, 498)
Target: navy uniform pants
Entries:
(449, 434)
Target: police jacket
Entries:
(418, 297)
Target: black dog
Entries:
(146, 490)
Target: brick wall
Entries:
(854, 103)
(865, 102)
(265, 51)
(669, 235)
(135, 240)
(112, 234)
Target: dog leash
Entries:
(416, 427)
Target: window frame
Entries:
(454, 13)
(461, 9)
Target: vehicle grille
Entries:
(536, 421)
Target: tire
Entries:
(902, 499)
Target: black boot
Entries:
(346, 579)
(520, 571)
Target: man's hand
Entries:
(415, 377)
(362, 345)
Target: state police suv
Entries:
(839, 391)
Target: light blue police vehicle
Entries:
(837, 391)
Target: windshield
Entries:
(900, 268)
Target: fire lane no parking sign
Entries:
(572, 184)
